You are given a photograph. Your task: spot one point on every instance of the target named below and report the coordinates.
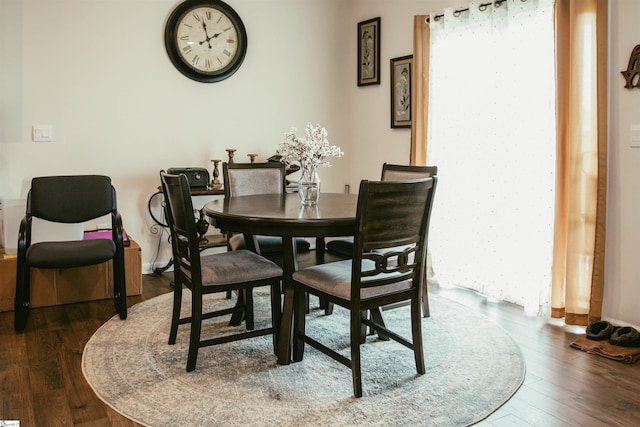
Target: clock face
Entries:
(205, 40)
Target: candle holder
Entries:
(231, 152)
(215, 182)
(252, 157)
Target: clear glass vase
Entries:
(309, 184)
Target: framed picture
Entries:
(401, 91)
(369, 52)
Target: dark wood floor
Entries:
(41, 380)
(563, 386)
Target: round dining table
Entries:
(284, 215)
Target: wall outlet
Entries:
(42, 133)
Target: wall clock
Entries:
(205, 40)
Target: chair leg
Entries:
(286, 331)
(175, 317)
(196, 326)
(120, 286)
(248, 308)
(238, 315)
(23, 298)
(424, 295)
(299, 315)
(276, 314)
(416, 334)
(328, 306)
(425, 303)
(320, 251)
(355, 335)
(363, 329)
(376, 316)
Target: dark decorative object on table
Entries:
(215, 183)
(231, 152)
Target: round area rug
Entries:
(472, 368)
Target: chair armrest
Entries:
(24, 235)
(117, 231)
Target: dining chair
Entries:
(392, 222)
(239, 270)
(392, 172)
(245, 179)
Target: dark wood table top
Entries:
(284, 215)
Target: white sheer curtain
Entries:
(492, 136)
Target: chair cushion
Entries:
(236, 267)
(334, 278)
(70, 254)
(268, 244)
(341, 247)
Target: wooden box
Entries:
(63, 286)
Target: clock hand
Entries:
(207, 38)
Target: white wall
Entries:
(622, 289)
(97, 71)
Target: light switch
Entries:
(635, 135)
(42, 133)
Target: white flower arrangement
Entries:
(308, 151)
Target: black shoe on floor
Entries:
(599, 331)
(625, 337)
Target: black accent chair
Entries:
(69, 199)
(240, 271)
(391, 172)
(392, 223)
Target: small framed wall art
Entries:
(401, 91)
(369, 52)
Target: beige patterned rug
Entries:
(473, 367)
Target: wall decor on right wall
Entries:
(632, 73)
(401, 91)
(369, 52)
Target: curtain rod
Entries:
(482, 8)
